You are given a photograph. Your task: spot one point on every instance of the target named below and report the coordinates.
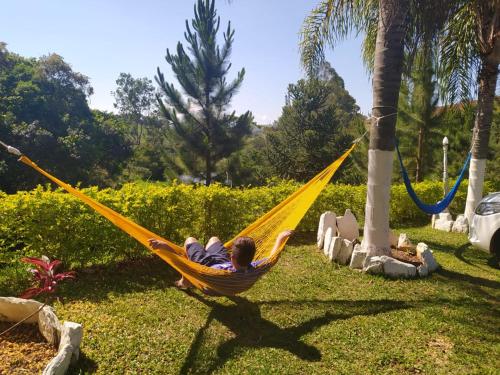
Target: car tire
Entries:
(495, 244)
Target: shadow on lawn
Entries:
(251, 330)
(96, 283)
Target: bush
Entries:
(55, 224)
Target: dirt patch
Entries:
(24, 350)
(440, 349)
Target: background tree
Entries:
(418, 114)
(313, 129)
(394, 28)
(199, 119)
(469, 62)
(135, 100)
(44, 112)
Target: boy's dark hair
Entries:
(244, 251)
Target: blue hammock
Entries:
(442, 204)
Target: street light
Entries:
(445, 165)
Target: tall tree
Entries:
(391, 27)
(134, 99)
(418, 111)
(199, 117)
(313, 128)
(470, 58)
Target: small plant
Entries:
(45, 276)
(46, 281)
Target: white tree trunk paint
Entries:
(376, 230)
(475, 190)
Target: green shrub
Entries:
(55, 224)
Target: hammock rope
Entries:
(286, 215)
(442, 204)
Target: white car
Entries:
(484, 231)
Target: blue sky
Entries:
(103, 38)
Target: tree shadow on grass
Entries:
(97, 283)
(251, 330)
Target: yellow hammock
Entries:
(286, 215)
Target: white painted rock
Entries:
(328, 239)
(71, 334)
(345, 252)
(358, 257)
(443, 225)
(425, 255)
(334, 248)
(423, 270)
(60, 363)
(14, 309)
(326, 220)
(461, 225)
(348, 226)
(393, 239)
(404, 241)
(397, 269)
(375, 265)
(433, 220)
(49, 325)
(445, 216)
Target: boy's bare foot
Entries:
(182, 283)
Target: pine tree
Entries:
(199, 119)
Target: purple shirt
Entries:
(228, 266)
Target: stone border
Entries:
(349, 252)
(67, 335)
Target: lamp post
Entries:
(445, 165)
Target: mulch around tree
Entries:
(24, 350)
(406, 256)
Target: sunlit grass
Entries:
(307, 316)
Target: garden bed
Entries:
(24, 349)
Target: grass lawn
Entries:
(307, 316)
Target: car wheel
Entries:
(495, 249)
(495, 244)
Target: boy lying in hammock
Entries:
(215, 255)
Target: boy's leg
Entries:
(195, 252)
(217, 252)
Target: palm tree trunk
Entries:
(481, 134)
(386, 85)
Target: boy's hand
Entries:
(157, 244)
(283, 236)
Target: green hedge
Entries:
(57, 225)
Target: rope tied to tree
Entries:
(11, 149)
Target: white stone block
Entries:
(393, 239)
(60, 363)
(328, 239)
(445, 216)
(375, 265)
(404, 241)
(423, 270)
(443, 225)
(345, 252)
(49, 325)
(14, 309)
(358, 257)
(334, 248)
(433, 220)
(326, 220)
(461, 225)
(71, 334)
(397, 269)
(425, 255)
(348, 226)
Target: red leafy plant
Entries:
(45, 276)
